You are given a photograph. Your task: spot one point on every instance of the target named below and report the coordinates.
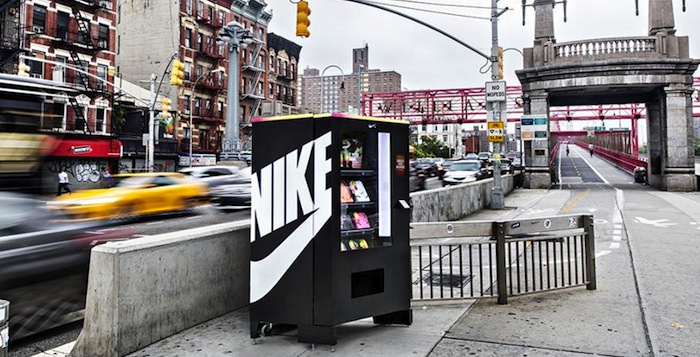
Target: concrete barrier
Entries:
(141, 291)
(456, 202)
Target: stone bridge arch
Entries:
(655, 69)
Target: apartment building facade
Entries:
(342, 92)
(282, 77)
(70, 52)
(189, 33)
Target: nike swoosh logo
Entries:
(267, 272)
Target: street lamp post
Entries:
(342, 85)
(235, 36)
(218, 70)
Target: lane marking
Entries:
(192, 217)
(62, 351)
(661, 223)
(575, 200)
(614, 245)
(617, 238)
(602, 253)
(617, 231)
(593, 168)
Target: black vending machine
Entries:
(330, 223)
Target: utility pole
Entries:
(151, 120)
(497, 195)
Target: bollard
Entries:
(4, 327)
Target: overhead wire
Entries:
(430, 11)
(446, 5)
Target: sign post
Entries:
(496, 99)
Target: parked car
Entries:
(444, 167)
(510, 155)
(471, 156)
(485, 156)
(134, 195)
(230, 191)
(462, 171)
(505, 166)
(209, 171)
(428, 166)
(416, 178)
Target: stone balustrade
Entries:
(623, 47)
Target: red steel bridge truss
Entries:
(468, 105)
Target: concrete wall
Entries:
(455, 202)
(141, 291)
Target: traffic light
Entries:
(303, 22)
(177, 73)
(165, 107)
(23, 70)
(500, 62)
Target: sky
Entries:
(428, 60)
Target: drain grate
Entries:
(447, 280)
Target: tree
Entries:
(431, 147)
(696, 146)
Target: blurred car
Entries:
(510, 155)
(416, 178)
(230, 191)
(485, 156)
(444, 167)
(505, 166)
(428, 166)
(518, 163)
(134, 195)
(209, 171)
(44, 261)
(462, 171)
(471, 156)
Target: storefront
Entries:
(83, 159)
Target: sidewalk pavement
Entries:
(229, 335)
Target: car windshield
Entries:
(132, 182)
(465, 166)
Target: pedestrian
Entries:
(567, 150)
(63, 183)
(590, 149)
(106, 178)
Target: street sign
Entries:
(498, 138)
(496, 91)
(495, 125)
(534, 127)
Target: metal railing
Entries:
(466, 260)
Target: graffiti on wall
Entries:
(82, 173)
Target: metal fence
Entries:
(458, 260)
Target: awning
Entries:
(107, 148)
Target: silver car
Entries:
(462, 172)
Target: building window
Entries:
(59, 116)
(200, 9)
(197, 106)
(62, 21)
(445, 127)
(187, 133)
(36, 68)
(100, 120)
(272, 89)
(59, 72)
(222, 17)
(200, 42)
(188, 38)
(102, 73)
(188, 7)
(200, 70)
(39, 18)
(85, 38)
(219, 139)
(221, 110)
(186, 104)
(211, 13)
(272, 63)
(103, 39)
(188, 70)
(204, 139)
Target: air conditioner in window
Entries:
(38, 29)
(36, 75)
(107, 4)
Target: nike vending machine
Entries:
(330, 224)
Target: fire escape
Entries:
(10, 32)
(83, 42)
(255, 66)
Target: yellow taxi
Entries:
(134, 195)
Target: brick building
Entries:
(80, 34)
(189, 32)
(282, 77)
